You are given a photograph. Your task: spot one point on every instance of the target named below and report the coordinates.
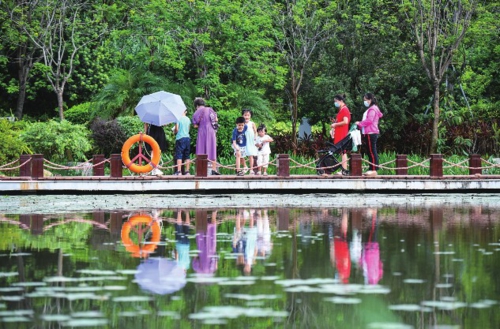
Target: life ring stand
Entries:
(136, 223)
(151, 163)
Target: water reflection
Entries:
(284, 267)
(205, 262)
(146, 232)
(339, 249)
(182, 239)
(370, 257)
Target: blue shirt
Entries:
(183, 131)
(240, 137)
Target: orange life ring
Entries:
(138, 221)
(151, 163)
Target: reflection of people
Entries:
(370, 257)
(158, 135)
(182, 144)
(370, 132)
(341, 128)
(206, 260)
(206, 141)
(339, 250)
(264, 244)
(182, 240)
(245, 240)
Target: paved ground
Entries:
(28, 204)
(252, 184)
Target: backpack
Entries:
(213, 118)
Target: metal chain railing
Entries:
(87, 165)
(4, 167)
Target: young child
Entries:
(262, 142)
(239, 140)
(250, 135)
(182, 143)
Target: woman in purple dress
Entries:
(206, 142)
(206, 241)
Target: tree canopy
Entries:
(431, 63)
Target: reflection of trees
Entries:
(461, 230)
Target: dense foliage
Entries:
(58, 140)
(285, 60)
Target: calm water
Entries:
(365, 267)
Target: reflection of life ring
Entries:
(136, 223)
(138, 168)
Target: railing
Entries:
(33, 166)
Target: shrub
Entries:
(12, 145)
(130, 125)
(80, 114)
(58, 141)
(108, 136)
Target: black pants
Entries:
(369, 147)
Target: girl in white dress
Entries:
(251, 149)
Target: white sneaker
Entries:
(370, 173)
(156, 172)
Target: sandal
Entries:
(240, 173)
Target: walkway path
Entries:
(251, 184)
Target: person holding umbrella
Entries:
(157, 110)
(204, 119)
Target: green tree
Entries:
(22, 52)
(61, 34)
(439, 27)
(302, 26)
(125, 89)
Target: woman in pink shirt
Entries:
(369, 132)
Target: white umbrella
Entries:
(160, 108)
(160, 276)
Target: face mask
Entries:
(366, 103)
(337, 104)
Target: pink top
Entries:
(369, 125)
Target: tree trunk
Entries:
(60, 103)
(435, 124)
(294, 110)
(294, 120)
(20, 100)
(23, 70)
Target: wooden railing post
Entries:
(37, 166)
(283, 165)
(25, 169)
(436, 217)
(475, 164)
(116, 165)
(36, 224)
(99, 169)
(115, 223)
(202, 165)
(436, 165)
(355, 165)
(401, 165)
(98, 216)
(283, 219)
